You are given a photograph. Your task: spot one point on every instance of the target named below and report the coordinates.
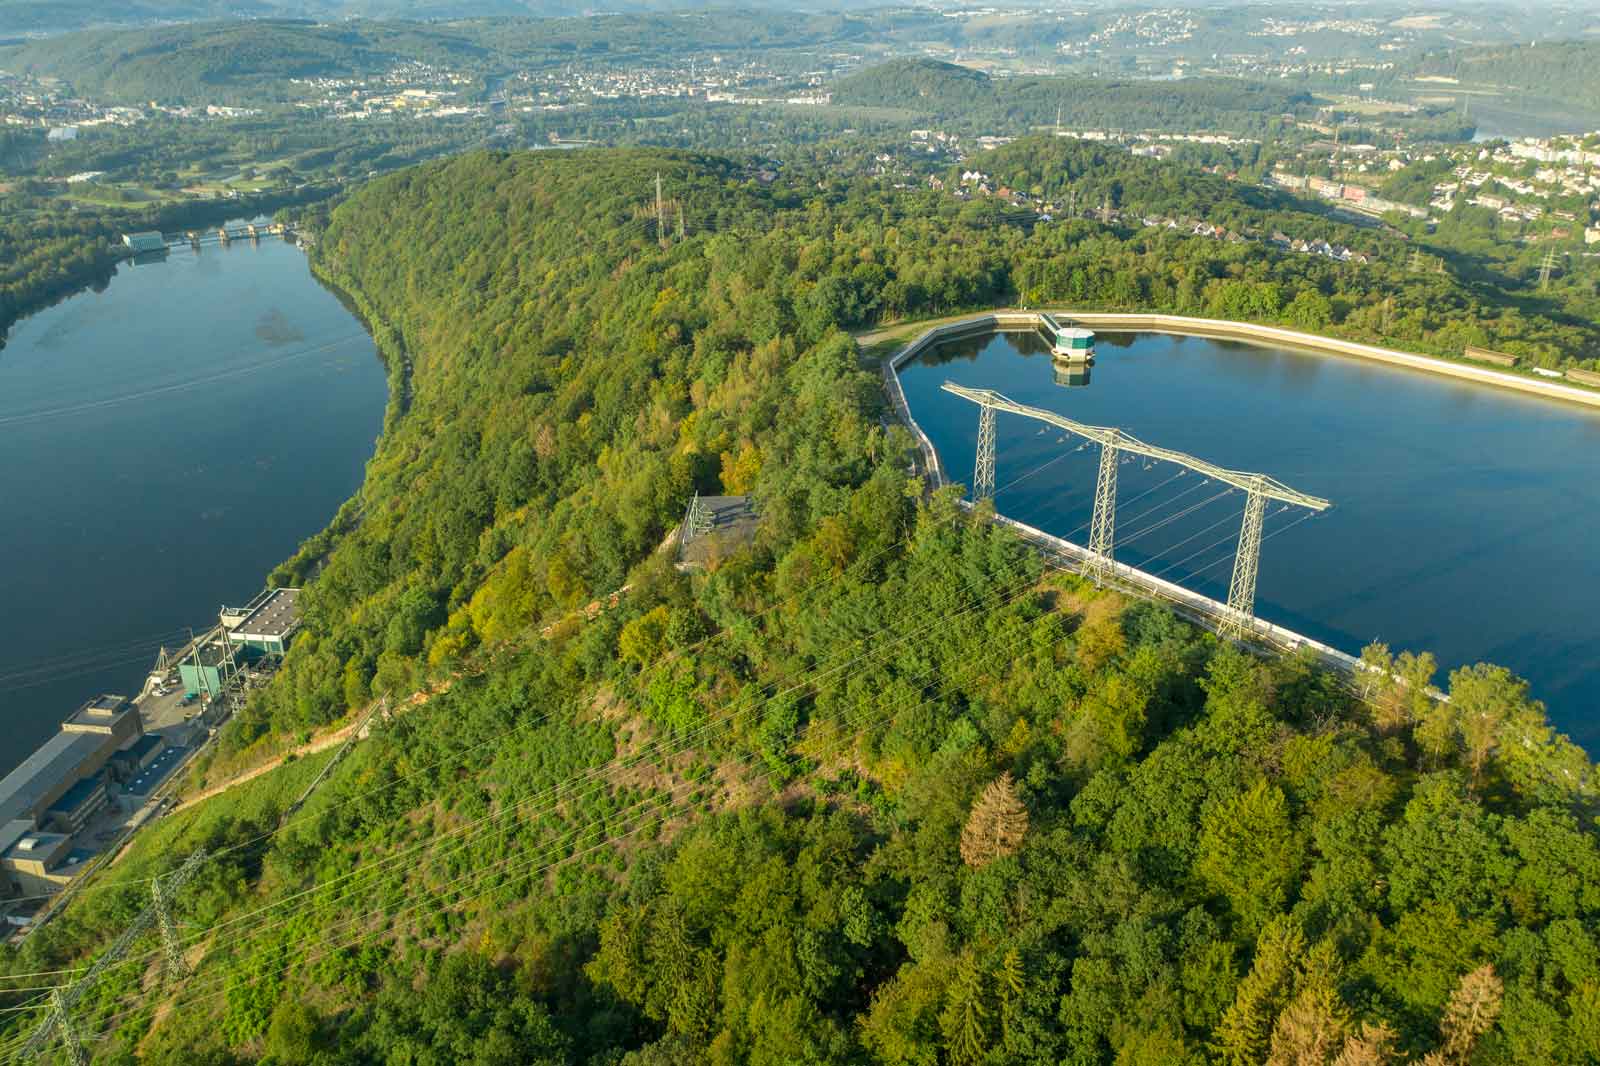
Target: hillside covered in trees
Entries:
(877, 788)
(254, 61)
(962, 98)
(1565, 71)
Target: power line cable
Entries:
(31, 417)
(222, 983)
(483, 824)
(1018, 589)
(540, 720)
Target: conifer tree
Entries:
(997, 824)
(1373, 1046)
(1471, 1012)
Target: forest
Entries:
(1564, 71)
(966, 99)
(879, 786)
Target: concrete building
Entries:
(205, 671)
(147, 241)
(77, 805)
(56, 791)
(128, 762)
(80, 750)
(267, 624)
(36, 863)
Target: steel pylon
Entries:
(174, 964)
(983, 470)
(1102, 524)
(1246, 560)
(71, 1043)
(59, 1020)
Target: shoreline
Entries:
(1245, 332)
(1249, 332)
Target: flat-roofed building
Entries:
(112, 716)
(128, 762)
(205, 670)
(46, 775)
(77, 805)
(10, 833)
(147, 241)
(269, 623)
(82, 747)
(40, 863)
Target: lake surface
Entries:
(1466, 520)
(164, 444)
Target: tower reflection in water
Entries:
(1071, 375)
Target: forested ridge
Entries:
(1554, 70)
(878, 788)
(559, 371)
(253, 61)
(970, 100)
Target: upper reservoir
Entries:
(1465, 519)
(164, 444)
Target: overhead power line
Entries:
(654, 813)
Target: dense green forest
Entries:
(875, 788)
(1564, 71)
(967, 99)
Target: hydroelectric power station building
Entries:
(55, 792)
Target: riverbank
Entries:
(48, 256)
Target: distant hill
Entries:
(60, 16)
(251, 61)
(218, 62)
(900, 81)
(970, 99)
(1564, 71)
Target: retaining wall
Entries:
(1252, 333)
(1202, 609)
(1000, 320)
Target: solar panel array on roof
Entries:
(278, 614)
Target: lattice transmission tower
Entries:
(59, 1020)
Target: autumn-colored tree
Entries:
(1471, 1012)
(997, 824)
(1373, 1046)
(1310, 1029)
(739, 471)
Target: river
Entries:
(1464, 517)
(164, 443)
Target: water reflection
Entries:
(1071, 375)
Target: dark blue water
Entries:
(163, 445)
(1466, 520)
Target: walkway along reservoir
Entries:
(1462, 519)
(164, 444)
